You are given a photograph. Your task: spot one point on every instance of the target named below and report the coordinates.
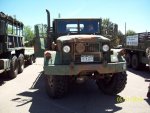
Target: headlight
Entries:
(105, 48)
(66, 49)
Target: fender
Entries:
(55, 59)
(116, 56)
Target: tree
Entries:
(120, 37)
(110, 30)
(29, 35)
(105, 24)
(130, 32)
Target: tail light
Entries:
(122, 52)
(47, 54)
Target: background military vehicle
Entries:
(75, 49)
(12, 50)
(137, 50)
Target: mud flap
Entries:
(39, 40)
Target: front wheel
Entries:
(56, 85)
(112, 85)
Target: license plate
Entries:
(87, 58)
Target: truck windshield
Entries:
(89, 26)
(67, 26)
(78, 26)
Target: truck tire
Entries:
(34, 59)
(148, 55)
(128, 59)
(13, 67)
(21, 63)
(56, 86)
(112, 85)
(135, 62)
(30, 61)
(142, 66)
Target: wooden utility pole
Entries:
(125, 29)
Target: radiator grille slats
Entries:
(90, 49)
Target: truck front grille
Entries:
(90, 47)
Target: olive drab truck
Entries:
(11, 45)
(137, 50)
(73, 49)
(12, 50)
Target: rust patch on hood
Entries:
(82, 38)
(85, 38)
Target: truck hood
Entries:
(83, 38)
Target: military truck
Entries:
(137, 50)
(75, 50)
(12, 50)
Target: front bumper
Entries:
(74, 69)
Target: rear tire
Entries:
(112, 85)
(21, 63)
(135, 62)
(13, 67)
(34, 59)
(56, 85)
(30, 62)
(142, 66)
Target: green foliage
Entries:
(120, 37)
(130, 32)
(42, 30)
(9, 30)
(105, 26)
(110, 30)
(29, 36)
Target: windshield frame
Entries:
(61, 26)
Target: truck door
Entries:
(39, 40)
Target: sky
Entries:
(135, 13)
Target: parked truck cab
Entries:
(76, 49)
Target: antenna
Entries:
(125, 29)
